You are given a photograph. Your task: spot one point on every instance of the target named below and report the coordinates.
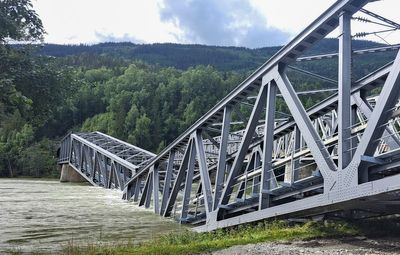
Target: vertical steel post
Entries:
(104, 167)
(167, 181)
(71, 148)
(94, 165)
(80, 156)
(149, 191)
(344, 82)
(188, 183)
(156, 187)
(131, 190)
(354, 139)
(144, 191)
(295, 162)
(137, 188)
(203, 169)
(256, 180)
(220, 176)
(268, 143)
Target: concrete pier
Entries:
(68, 174)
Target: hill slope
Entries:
(182, 56)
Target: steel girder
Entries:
(342, 153)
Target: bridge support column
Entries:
(68, 174)
(344, 91)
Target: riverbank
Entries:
(48, 217)
(41, 178)
(42, 217)
(354, 245)
(269, 237)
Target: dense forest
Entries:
(144, 94)
(180, 56)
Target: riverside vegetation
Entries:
(190, 242)
(202, 243)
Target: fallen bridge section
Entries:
(100, 159)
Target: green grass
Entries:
(190, 242)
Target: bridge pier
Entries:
(68, 174)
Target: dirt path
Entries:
(354, 246)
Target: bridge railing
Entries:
(64, 151)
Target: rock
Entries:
(351, 246)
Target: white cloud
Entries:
(222, 22)
(77, 21)
(232, 22)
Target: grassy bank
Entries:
(197, 243)
(190, 242)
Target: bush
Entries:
(39, 160)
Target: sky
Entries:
(247, 23)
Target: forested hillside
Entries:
(144, 94)
(181, 56)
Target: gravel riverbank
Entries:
(342, 246)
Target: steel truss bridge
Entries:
(340, 157)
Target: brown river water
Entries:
(43, 215)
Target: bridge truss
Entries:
(101, 159)
(341, 155)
